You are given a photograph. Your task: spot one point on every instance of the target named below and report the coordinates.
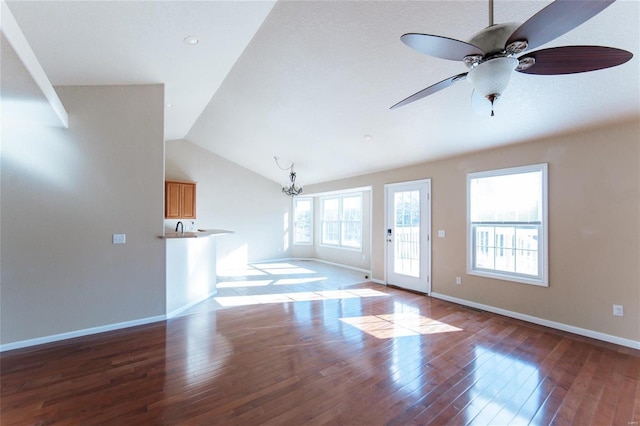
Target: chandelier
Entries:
(290, 189)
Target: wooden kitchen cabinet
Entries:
(180, 200)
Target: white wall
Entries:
(233, 198)
(64, 193)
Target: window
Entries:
(342, 221)
(302, 220)
(507, 224)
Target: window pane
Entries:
(351, 208)
(351, 234)
(302, 207)
(507, 198)
(302, 233)
(302, 221)
(331, 233)
(484, 253)
(527, 251)
(506, 213)
(342, 221)
(330, 209)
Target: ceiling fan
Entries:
(492, 54)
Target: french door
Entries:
(407, 235)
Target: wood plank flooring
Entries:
(305, 343)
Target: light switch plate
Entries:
(441, 233)
(618, 310)
(119, 238)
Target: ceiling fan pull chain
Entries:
(492, 98)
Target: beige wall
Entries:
(64, 193)
(594, 227)
(233, 198)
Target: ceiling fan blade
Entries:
(556, 19)
(431, 90)
(440, 47)
(574, 59)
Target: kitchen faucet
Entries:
(181, 225)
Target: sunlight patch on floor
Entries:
(241, 272)
(274, 265)
(289, 281)
(289, 271)
(260, 269)
(264, 283)
(259, 299)
(246, 283)
(398, 325)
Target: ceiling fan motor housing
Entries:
(492, 41)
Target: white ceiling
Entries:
(141, 42)
(309, 81)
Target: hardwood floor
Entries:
(306, 343)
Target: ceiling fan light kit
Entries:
(490, 78)
(491, 54)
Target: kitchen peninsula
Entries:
(191, 268)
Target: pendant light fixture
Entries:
(290, 189)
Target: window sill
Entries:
(510, 278)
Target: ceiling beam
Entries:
(13, 34)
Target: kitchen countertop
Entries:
(200, 233)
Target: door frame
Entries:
(425, 214)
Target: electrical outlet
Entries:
(458, 280)
(618, 310)
(119, 238)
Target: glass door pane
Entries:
(407, 233)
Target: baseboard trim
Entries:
(373, 280)
(353, 268)
(541, 321)
(189, 305)
(79, 333)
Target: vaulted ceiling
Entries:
(312, 81)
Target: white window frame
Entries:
(309, 224)
(542, 278)
(340, 220)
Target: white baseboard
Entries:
(189, 305)
(79, 333)
(541, 321)
(378, 281)
(340, 265)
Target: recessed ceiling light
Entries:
(368, 137)
(191, 40)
